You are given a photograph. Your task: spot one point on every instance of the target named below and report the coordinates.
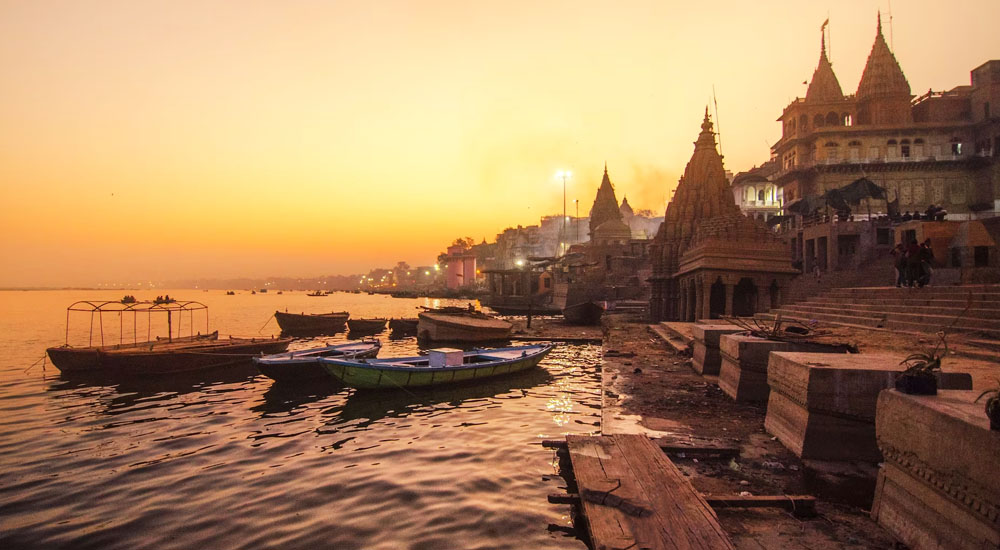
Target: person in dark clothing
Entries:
(926, 259)
(912, 263)
(899, 263)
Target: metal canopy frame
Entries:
(169, 308)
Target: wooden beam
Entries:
(800, 505)
(669, 447)
(564, 498)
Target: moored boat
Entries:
(164, 356)
(461, 326)
(317, 293)
(304, 364)
(310, 324)
(367, 326)
(403, 327)
(441, 366)
(584, 313)
(155, 355)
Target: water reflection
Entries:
(375, 405)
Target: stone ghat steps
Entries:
(925, 314)
(987, 304)
(978, 311)
(933, 323)
(867, 321)
(976, 290)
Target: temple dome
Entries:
(882, 75)
(605, 204)
(824, 86)
(612, 230)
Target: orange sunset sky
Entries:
(158, 140)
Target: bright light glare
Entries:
(564, 174)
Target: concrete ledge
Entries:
(743, 374)
(706, 358)
(938, 487)
(822, 405)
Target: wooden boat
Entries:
(442, 366)
(165, 356)
(155, 355)
(310, 324)
(403, 327)
(304, 364)
(317, 293)
(367, 326)
(445, 325)
(584, 313)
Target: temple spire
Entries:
(879, 22)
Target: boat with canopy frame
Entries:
(156, 354)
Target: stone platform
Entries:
(743, 373)
(706, 358)
(822, 405)
(938, 487)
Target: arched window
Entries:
(832, 119)
(831, 151)
(918, 148)
(904, 148)
(803, 123)
(847, 119)
(760, 195)
(890, 150)
(956, 146)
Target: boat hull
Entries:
(378, 376)
(164, 359)
(366, 326)
(586, 313)
(403, 327)
(459, 328)
(304, 324)
(304, 368)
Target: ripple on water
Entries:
(233, 460)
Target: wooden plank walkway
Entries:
(635, 498)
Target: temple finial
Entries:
(880, 21)
(605, 168)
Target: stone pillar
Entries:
(682, 313)
(729, 299)
(699, 299)
(705, 302)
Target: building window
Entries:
(956, 148)
(848, 119)
(981, 256)
(883, 235)
(904, 150)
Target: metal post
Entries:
(563, 239)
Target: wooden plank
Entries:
(632, 494)
(608, 527)
(680, 510)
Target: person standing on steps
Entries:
(898, 263)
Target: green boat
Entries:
(439, 366)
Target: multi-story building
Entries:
(936, 149)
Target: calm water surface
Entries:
(232, 459)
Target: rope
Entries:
(260, 330)
(42, 361)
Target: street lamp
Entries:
(564, 174)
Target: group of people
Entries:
(913, 263)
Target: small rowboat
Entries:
(367, 326)
(310, 324)
(584, 313)
(440, 366)
(304, 364)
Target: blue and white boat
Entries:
(304, 364)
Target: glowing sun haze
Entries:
(156, 140)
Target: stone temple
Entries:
(709, 259)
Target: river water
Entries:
(231, 459)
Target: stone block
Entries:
(822, 405)
(706, 358)
(938, 486)
(743, 372)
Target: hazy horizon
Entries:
(179, 140)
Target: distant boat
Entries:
(311, 324)
(304, 364)
(230, 293)
(367, 326)
(442, 366)
(317, 293)
(281, 292)
(263, 291)
(584, 313)
(460, 325)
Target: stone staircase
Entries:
(928, 309)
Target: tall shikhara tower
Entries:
(703, 213)
(605, 206)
